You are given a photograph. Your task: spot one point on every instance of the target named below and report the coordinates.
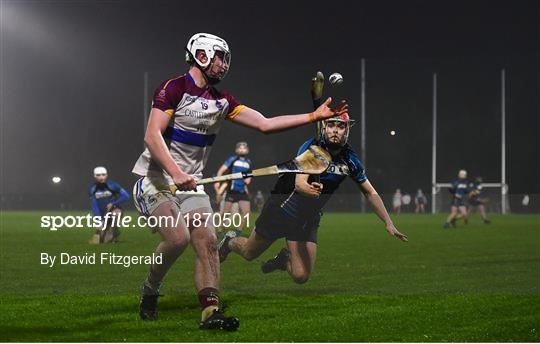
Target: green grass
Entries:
(473, 283)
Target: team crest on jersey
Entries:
(219, 105)
(340, 168)
(204, 104)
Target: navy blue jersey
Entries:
(475, 187)
(236, 164)
(102, 194)
(345, 163)
(460, 188)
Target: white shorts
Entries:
(150, 193)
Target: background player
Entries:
(475, 201)
(294, 208)
(237, 191)
(186, 115)
(420, 201)
(106, 196)
(459, 189)
(396, 201)
(259, 200)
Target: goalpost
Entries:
(436, 186)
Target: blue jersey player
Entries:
(475, 201)
(294, 208)
(106, 197)
(459, 190)
(236, 190)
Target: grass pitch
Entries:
(474, 283)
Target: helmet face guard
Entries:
(343, 118)
(212, 46)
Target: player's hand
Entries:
(184, 182)
(310, 190)
(326, 111)
(392, 230)
(315, 189)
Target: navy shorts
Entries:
(458, 202)
(235, 196)
(274, 223)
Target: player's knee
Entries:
(206, 242)
(211, 242)
(179, 243)
(300, 278)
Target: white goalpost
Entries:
(436, 186)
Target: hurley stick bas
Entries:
(315, 160)
(317, 85)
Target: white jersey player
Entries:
(186, 115)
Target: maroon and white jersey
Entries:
(196, 116)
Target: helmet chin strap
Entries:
(209, 79)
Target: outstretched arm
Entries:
(373, 197)
(254, 119)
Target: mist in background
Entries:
(72, 92)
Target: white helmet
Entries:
(209, 44)
(99, 170)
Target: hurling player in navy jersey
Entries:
(106, 196)
(295, 207)
(236, 190)
(459, 190)
(475, 201)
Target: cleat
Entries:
(466, 221)
(148, 307)
(223, 247)
(453, 223)
(279, 262)
(446, 225)
(487, 222)
(218, 321)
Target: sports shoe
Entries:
(223, 247)
(446, 225)
(279, 262)
(148, 307)
(487, 222)
(453, 223)
(218, 321)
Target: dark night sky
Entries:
(72, 83)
